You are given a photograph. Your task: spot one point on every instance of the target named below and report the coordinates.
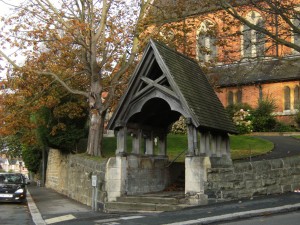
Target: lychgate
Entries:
(165, 86)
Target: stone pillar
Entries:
(195, 178)
(115, 177)
(121, 141)
(137, 142)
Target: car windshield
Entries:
(11, 179)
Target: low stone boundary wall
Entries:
(248, 179)
(71, 175)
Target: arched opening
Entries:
(287, 98)
(296, 97)
(253, 42)
(149, 130)
(206, 41)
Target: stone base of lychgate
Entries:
(196, 176)
(115, 177)
(136, 174)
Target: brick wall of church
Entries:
(275, 91)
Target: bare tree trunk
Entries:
(96, 127)
(95, 138)
(94, 133)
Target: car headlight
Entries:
(19, 191)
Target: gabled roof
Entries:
(189, 85)
(257, 72)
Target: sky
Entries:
(5, 9)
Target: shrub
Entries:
(281, 127)
(32, 157)
(233, 108)
(179, 127)
(240, 114)
(242, 121)
(297, 115)
(263, 120)
(264, 123)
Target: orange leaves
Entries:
(70, 109)
(58, 127)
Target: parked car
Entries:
(13, 187)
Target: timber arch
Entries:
(164, 86)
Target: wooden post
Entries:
(190, 133)
(195, 137)
(149, 144)
(121, 141)
(162, 144)
(203, 139)
(137, 141)
(219, 145)
(213, 144)
(207, 144)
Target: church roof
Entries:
(256, 72)
(189, 83)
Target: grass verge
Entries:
(246, 146)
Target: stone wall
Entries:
(248, 179)
(71, 175)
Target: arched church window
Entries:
(206, 41)
(287, 98)
(253, 42)
(296, 97)
(230, 98)
(239, 95)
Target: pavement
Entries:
(49, 207)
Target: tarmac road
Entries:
(291, 218)
(15, 213)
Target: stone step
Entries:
(163, 201)
(141, 207)
(149, 199)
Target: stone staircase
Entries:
(155, 202)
